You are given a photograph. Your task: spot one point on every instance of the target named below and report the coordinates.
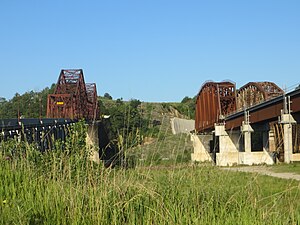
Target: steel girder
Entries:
(214, 101)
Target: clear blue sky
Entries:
(151, 50)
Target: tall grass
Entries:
(63, 187)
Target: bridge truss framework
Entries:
(73, 98)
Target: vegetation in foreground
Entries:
(287, 168)
(64, 187)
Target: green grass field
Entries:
(68, 189)
(287, 168)
(64, 187)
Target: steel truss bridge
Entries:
(219, 102)
(72, 100)
(262, 104)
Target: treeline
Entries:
(31, 104)
(187, 107)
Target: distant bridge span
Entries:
(72, 100)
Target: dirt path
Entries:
(264, 171)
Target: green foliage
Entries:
(135, 103)
(66, 188)
(126, 123)
(165, 105)
(187, 107)
(287, 168)
(29, 105)
(119, 101)
(186, 99)
(108, 96)
(77, 137)
(2, 100)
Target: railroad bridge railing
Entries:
(40, 131)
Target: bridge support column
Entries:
(201, 144)
(287, 120)
(228, 146)
(92, 142)
(247, 130)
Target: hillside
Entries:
(158, 144)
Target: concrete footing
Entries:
(252, 158)
(229, 149)
(201, 146)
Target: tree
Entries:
(134, 103)
(185, 99)
(31, 104)
(119, 101)
(126, 122)
(2, 100)
(108, 96)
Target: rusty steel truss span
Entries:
(214, 101)
(73, 98)
(93, 107)
(254, 93)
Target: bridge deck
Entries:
(17, 124)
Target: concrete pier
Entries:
(234, 147)
(92, 141)
(247, 130)
(228, 146)
(287, 120)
